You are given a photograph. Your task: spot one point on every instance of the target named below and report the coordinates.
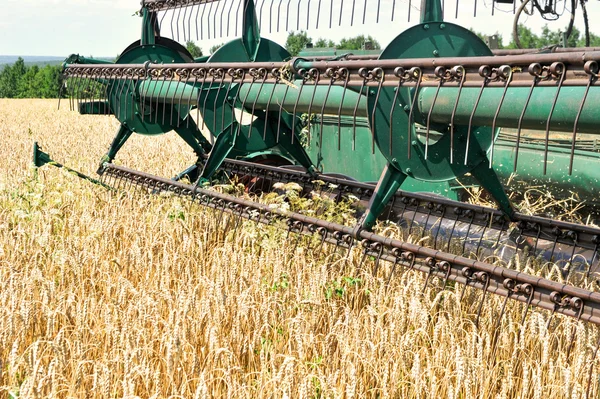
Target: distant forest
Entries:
(22, 81)
(39, 80)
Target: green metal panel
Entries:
(352, 154)
(308, 100)
(538, 109)
(168, 93)
(585, 180)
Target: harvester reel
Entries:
(136, 113)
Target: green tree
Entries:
(357, 43)
(214, 48)
(527, 38)
(194, 49)
(296, 42)
(594, 41)
(28, 84)
(50, 81)
(8, 86)
(324, 43)
(485, 38)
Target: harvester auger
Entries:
(434, 100)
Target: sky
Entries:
(104, 28)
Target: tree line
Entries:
(21, 81)
(546, 38)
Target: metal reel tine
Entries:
(437, 233)
(409, 9)
(505, 73)
(431, 264)
(364, 12)
(164, 115)
(346, 76)
(485, 279)
(485, 72)
(294, 112)
(341, 11)
(509, 285)
(271, 17)
(574, 329)
(397, 72)
(366, 245)
(233, 74)
(260, 14)
(287, 15)
(190, 97)
(261, 73)
(185, 17)
(202, 19)
(527, 289)
(221, 73)
(352, 15)
(221, 18)
(273, 87)
(535, 71)
(318, 14)
(187, 81)
(105, 105)
(210, 86)
(215, 19)
(122, 96)
(203, 72)
(472, 218)
(440, 73)
(458, 212)
(331, 74)
(162, 85)
(362, 89)
(323, 231)
(178, 23)
(379, 249)
(229, 15)
(278, 15)
(78, 90)
(243, 106)
(397, 256)
(330, 13)
(591, 68)
(419, 74)
(379, 74)
(287, 88)
(112, 88)
(172, 101)
(208, 18)
(237, 15)
(556, 69)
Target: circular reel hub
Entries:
(392, 130)
(124, 98)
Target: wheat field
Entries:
(106, 294)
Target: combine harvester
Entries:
(426, 112)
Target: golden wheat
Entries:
(106, 294)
